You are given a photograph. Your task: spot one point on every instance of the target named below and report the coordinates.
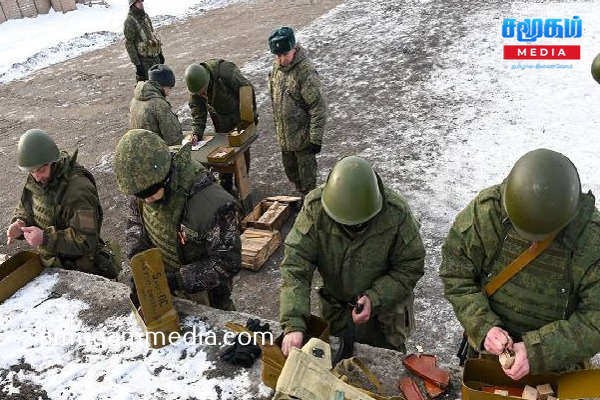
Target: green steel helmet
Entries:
(282, 40)
(596, 68)
(142, 160)
(197, 77)
(351, 195)
(541, 193)
(35, 149)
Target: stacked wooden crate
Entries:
(10, 9)
(15, 9)
(261, 236)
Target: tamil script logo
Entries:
(532, 29)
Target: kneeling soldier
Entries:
(178, 208)
(59, 212)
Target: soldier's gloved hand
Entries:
(292, 339)
(315, 148)
(161, 58)
(520, 368)
(497, 340)
(254, 325)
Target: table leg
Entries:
(241, 177)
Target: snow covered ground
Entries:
(29, 44)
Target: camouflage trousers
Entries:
(301, 169)
(219, 297)
(388, 328)
(147, 62)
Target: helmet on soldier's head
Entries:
(541, 194)
(596, 68)
(196, 77)
(162, 74)
(282, 40)
(35, 149)
(142, 160)
(351, 195)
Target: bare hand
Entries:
(496, 340)
(33, 235)
(520, 368)
(365, 314)
(14, 231)
(292, 339)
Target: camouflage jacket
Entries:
(299, 106)
(149, 109)
(222, 99)
(552, 305)
(140, 39)
(68, 209)
(210, 254)
(384, 261)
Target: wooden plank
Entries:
(267, 215)
(28, 9)
(43, 6)
(258, 246)
(2, 16)
(241, 177)
(284, 199)
(11, 9)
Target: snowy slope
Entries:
(29, 44)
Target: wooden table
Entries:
(235, 165)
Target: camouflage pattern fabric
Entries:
(210, 254)
(384, 261)
(68, 210)
(301, 169)
(552, 305)
(150, 110)
(142, 43)
(222, 99)
(299, 106)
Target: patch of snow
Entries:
(30, 44)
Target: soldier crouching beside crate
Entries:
(59, 212)
(521, 267)
(364, 241)
(178, 208)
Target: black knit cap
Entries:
(162, 74)
(282, 40)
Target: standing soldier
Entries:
(364, 241)
(521, 267)
(214, 87)
(142, 43)
(59, 212)
(177, 207)
(299, 108)
(149, 108)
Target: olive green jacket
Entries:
(384, 261)
(140, 39)
(469, 261)
(299, 105)
(222, 99)
(150, 110)
(68, 210)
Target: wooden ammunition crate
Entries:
(43, 6)
(257, 246)
(267, 215)
(221, 154)
(17, 271)
(11, 9)
(28, 9)
(241, 134)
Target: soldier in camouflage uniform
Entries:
(142, 43)
(177, 207)
(365, 243)
(59, 212)
(214, 87)
(149, 108)
(299, 109)
(549, 312)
